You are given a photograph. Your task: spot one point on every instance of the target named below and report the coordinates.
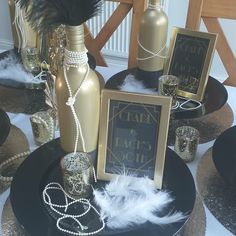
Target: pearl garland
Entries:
(69, 201)
(9, 161)
(75, 59)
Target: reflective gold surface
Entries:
(87, 104)
(32, 39)
(196, 225)
(11, 5)
(15, 143)
(10, 225)
(186, 142)
(77, 173)
(218, 197)
(152, 36)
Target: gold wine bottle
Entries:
(87, 102)
(152, 37)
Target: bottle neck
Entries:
(75, 38)
(153, 4)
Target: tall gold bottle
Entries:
(87, 104)
(152, 36)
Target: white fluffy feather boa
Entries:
(128, 201)
(11, 68)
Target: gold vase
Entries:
(87, 104)
(152, 36)
(33, 39)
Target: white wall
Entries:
(6, 41)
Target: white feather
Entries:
(127, 201)
(130, 84)
(11, 68)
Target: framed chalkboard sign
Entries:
(133, 134)
(190, 57)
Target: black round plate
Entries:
(224, 155)
(41, 167)
(215, 94)
(5, 125)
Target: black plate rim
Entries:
(204, 110)
(43, 219)
(223, 162)
(10, 83)
(5, 126)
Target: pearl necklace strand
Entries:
(9, 161)
(75, 59)
(69, 201)
(72, 59)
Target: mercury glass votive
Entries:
(186, 142)
(168, 86)
(78, 174)
(43, 127)
(30, 59)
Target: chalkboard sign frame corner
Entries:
(206, 60)
(161, 131)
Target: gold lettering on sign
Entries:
(133, 144)
(132, 116)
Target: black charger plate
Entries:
(215, 94)
(224, 156)
(11, 83)
(20, 97)
(5, 125)
(42, 167)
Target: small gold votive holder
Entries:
(43, 127)
(78, 174)
(186, 142)
(168, 86)
(30, 59)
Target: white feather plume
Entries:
(128, 201)
(130, 84)
(11, 68)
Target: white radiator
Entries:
(118, 45)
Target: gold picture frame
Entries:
(189, 58)
(133, 135)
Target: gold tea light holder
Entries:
(168, 86)
(186, 142)
(43, 126)
(30, 59)
(78, 174)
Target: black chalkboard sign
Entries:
(190, 57)
(133, 135)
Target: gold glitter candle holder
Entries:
(30, 59)
(168, 86)
(186, 142)
(78, 174)
(43, 127)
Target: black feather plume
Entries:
(45, 15)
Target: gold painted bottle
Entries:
(152, 36)
(87, 104)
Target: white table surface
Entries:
(214, 228)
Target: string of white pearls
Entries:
(69, 201)
(75, 57)
(9, 161)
